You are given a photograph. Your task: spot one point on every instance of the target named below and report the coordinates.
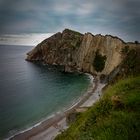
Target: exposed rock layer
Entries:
(76, 52)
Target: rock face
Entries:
(98, 55)
(59, 49)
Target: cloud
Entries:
(121, 17)
(78, 8)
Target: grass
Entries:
(115, 117)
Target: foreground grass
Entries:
(115, 117)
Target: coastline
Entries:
(55, 124)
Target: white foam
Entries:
(90, 77)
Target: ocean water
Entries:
(31, 92)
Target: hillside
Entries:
(115, 117)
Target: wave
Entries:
(31, 39)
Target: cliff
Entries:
(95, 54)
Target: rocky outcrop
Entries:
(59, 49)
(95, 54)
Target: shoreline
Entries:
(51, 123)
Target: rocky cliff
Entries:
(95, 54)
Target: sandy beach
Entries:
(50, 128)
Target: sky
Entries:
(116, 17)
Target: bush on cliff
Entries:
(99, 62)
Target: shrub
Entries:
(99, 62)
(125, 50)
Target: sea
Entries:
(31, 92)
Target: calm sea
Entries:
(31, 92)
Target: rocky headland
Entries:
(95, 54)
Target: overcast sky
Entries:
(116, 17)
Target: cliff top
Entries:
(71, 31)
(99, 35)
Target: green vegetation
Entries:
(72, 31)
(99, 62)
(115, 117)
(136, 42)
(131, 60)
(76, 42)
(71, 38)
(125, 49)
(131, 63)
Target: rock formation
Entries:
(95, 54)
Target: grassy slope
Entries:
(115, 117)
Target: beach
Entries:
(50, 128)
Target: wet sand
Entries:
(50, 128)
